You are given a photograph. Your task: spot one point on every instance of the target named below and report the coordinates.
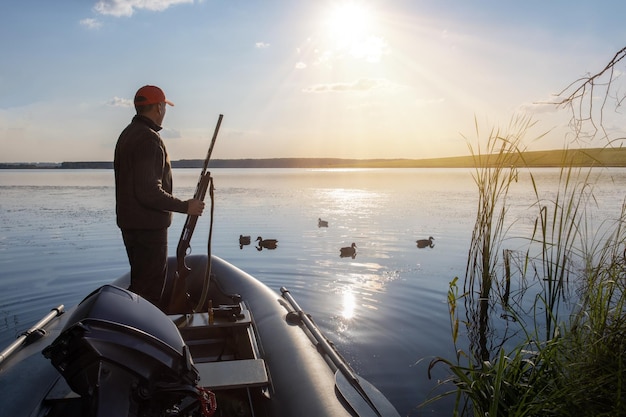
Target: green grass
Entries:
(565, 356)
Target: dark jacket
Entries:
(143, 178)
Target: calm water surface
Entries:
(385, 309)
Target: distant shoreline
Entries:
(606, 157)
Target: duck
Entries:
(423, 243)
(348, 251)
(243, 240)
(266, 243)
(322, 223)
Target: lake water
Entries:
(385, 309)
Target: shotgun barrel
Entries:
(175, 293)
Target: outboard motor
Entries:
(124, 357)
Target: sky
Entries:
(342, 78)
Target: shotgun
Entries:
(179, 289)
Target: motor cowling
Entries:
(123, 356)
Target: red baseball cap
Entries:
(150, 94)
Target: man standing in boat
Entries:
(143, 194)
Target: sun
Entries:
(351, 28)
(348, 23)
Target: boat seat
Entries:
(190, 322)
(231, 374)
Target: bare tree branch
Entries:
(587, 116)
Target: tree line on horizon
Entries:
(601, 157)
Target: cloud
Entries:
(548, 106)
(120, 102)
(261, 45)
(90, 23)
(300, 65)
(362, 84)
(119, 8)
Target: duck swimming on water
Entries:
(322, 223)
(423, 243)
(348, 251)
(266, 243)
(243, 240)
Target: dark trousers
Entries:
(147, 254)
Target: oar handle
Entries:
(319, 337)
(55, 312)
(339, 362)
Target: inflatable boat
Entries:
(221, 344)
(247, 351)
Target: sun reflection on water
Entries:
(349, 304)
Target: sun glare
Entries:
(349, 305)
(351, 28)
(348, 23)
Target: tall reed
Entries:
(565, 354)
(495, 172)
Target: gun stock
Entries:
(175, 294)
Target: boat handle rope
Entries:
(207, 401)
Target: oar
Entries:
(364, 398)
(55, 312)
